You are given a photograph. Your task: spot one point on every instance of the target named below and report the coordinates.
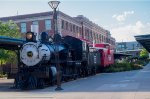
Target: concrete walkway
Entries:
(122, 85)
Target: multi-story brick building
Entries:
(78, 26)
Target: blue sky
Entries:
(123, 18)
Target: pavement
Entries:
(122, 85)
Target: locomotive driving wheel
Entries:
(32, 82)
(40, 84)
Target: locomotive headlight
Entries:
(29, 36)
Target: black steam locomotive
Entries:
(38, 60)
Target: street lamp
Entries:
(54, 5)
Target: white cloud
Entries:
(95, 20)
(123, 16)
(148, 24)
(127, 33)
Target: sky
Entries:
(123, 18)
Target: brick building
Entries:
(78, 26)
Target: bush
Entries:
(141, 62)
(118, 67)
(126, 66)
(2, 75)
(136, 66)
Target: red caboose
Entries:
(105, 52)
(107, 55)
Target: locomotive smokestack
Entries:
(35, 29)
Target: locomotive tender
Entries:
(38, 63)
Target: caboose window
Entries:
(23, 27)
(48, 24)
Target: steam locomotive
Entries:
(76, 59)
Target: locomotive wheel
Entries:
(86, 72)
(40, 84)
(94, 71)
(19, 83)
(75, 77)
(16, 82)
(32, 82)
(66, 79)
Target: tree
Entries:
(144, 54)
(3, 56)
(9, 29)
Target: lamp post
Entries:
(54, 5)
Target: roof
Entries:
(14, 18)
(41, 14)
(10, 43)
(121, 55)
(19, 17)
(144, 40)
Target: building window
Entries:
(74, 28)
(35, 23)
(91, 38)
(48, 24)
(66, 25)
(23, 27)
(94, 37)
(77, 29)
(70, 27)
(102, 38)
(97, 38)
(80, 30)
(62, 24)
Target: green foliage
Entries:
(3, 56)
(118, 67)
(2, 75)
(144, 54)
(126, 66)
(7, 57)
(9, 29)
